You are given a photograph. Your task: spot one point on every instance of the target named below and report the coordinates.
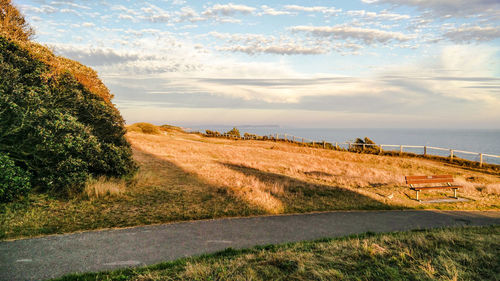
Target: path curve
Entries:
(57, 255)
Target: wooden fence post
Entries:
(480, 159)
(285, 137)
(400, 150)
(364, 146)
(277, 136)
(324, 144)
(451, 155)
(425, 150)
(336, 145)
(381, 150)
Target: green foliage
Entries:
(55, 128)
(212, 133)
(234, 132)
(14, 182)
(357, 146)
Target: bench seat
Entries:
(432, 182)
(435, 187)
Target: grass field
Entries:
(187, 177)
(471, 253)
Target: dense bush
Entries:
(13, 23)
(54, 127)
(14, 182)
(234, 132)
(370, 146)
(145, 128)
(212, 133)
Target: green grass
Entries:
(471, 253)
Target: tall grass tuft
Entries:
(100, 187)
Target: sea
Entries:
(486, 141)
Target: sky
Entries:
(323, 64)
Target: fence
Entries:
(425, 150)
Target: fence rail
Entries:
(349, 145)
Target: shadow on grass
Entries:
(172, 194)
(302, 196)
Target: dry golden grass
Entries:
(102, 187)
(274, 176)
(188, 177)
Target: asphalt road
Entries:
(57, 255)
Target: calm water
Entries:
(474, 140)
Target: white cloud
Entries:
(227, 10)
(313, 9)
(266, 10)
(88, 24)
(43, 9)
(367, 35)
(284, 49)
(473, 33)
(71, 4)
(155, 14)
(261, 44)
(94, 56)
(188, 14)
(449, 8)
(383, 15)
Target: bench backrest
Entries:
(429, 179)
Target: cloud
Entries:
(88, 24)
(260, 44)
(227, 10)
(155, 14)
(473, 33)
(43, 9)
(71, 4)
(383, 15)
(188, 14)
(266, 10)
(92, 56)
(313, 9)
(367, 35)
(285, 49)
(448, 8)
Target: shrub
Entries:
(212, 133)
(358, 146)
(14, 182)
(54, 127)
(13, 24)
(145, 128)
(234, 132)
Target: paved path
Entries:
(53, 256)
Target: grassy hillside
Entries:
(186, 176)
(443, 254)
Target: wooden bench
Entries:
(432, 182)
